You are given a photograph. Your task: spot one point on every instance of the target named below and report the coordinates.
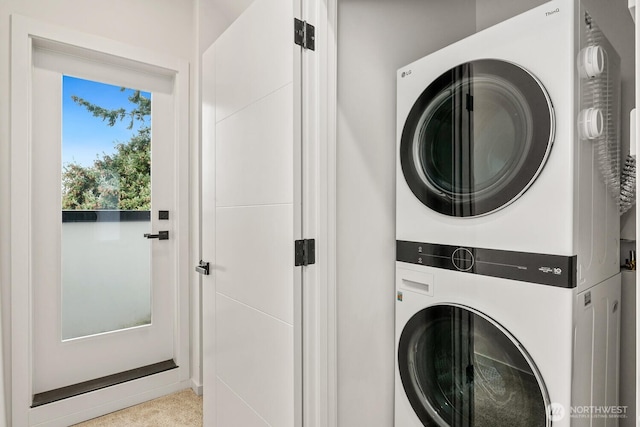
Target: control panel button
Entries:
(462, 259)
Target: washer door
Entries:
(477, 138)
(461, 369)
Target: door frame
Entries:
(319, 193)
(23, 33)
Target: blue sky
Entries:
(85, 137)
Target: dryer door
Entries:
(461, 369)
(477, 138)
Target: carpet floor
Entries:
(181, 409)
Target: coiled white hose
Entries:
(598, 92)
(628, 185)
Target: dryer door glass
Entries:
(460, 369)
(476, 138)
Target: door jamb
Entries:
(320, 365)
(23, 32)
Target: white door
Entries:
(251, 173)
(104, 296)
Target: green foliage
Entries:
(120, 181)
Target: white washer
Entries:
(504, 142)
(478, 351)
(508, 228)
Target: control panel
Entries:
(552, 270)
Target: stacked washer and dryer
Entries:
(507, 277)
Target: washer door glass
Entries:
(461, 369)
(477, 138)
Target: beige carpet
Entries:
(181, 409)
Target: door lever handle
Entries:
(203, 268)
(162, 235)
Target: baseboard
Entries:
(196, 387)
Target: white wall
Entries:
(215, 16)
(161, 25)
(375, 38)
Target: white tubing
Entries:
(598, 91)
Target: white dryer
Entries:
(507, 226)
(479, 351)
(508, 140)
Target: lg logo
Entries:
(405, 74)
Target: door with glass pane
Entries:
(103, 185)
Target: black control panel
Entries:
(552, 270)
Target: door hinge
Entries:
(304, 34)
(305, 252)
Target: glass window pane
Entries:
(476, 138)
(479, 162)
(106, 199)
(460, 369)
